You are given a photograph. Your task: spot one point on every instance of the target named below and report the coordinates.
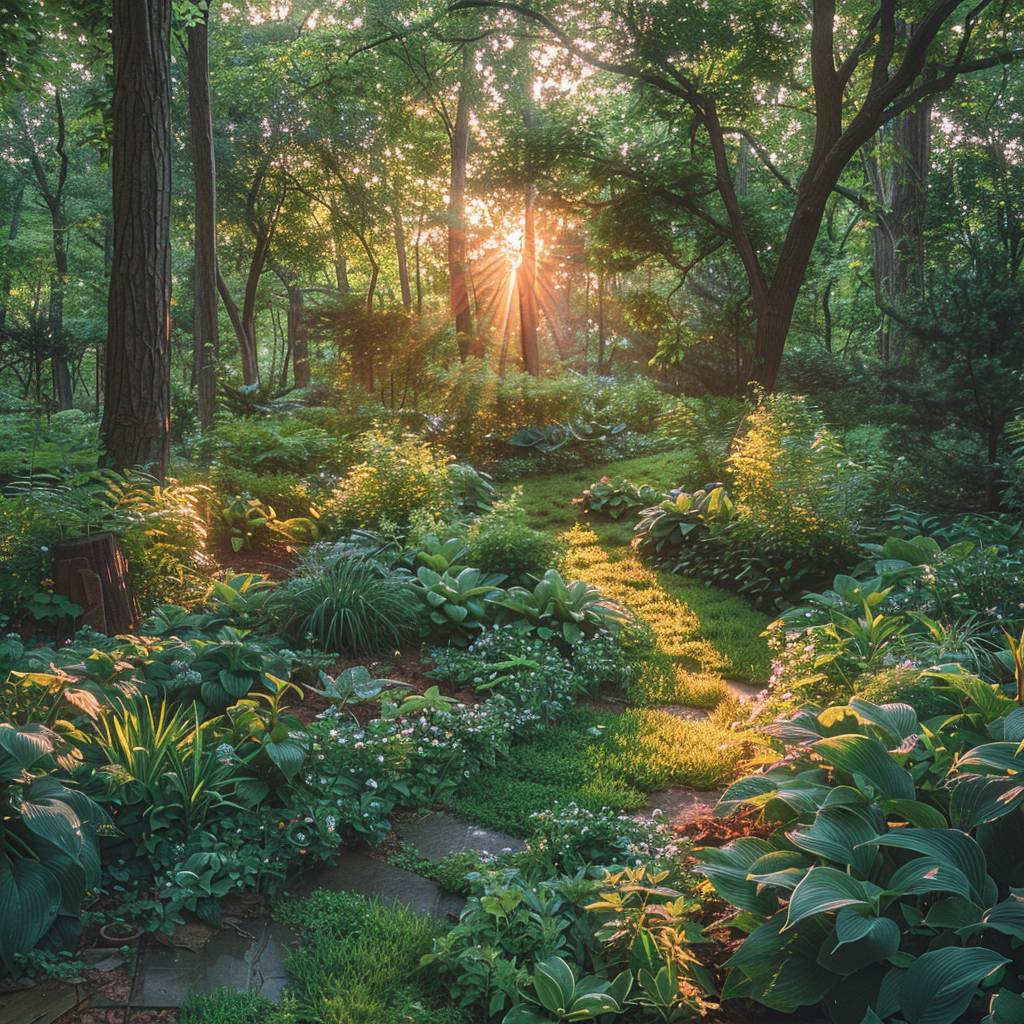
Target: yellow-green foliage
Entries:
(791, 481)
(394, 479)
(653, 749)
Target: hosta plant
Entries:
(664, 528)
(557, 993)
(617, 497)
(457, 605)
(553, 608)
(888, 891)
(48, 848)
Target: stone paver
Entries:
(248, 960)
(745, 691)
(355, 872)
(685, 711)
(682, 805)
(437, 834)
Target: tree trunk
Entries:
(400, 251)
(526, 283)
(205, 340)
(897, 240)
(91, 571)
(458, 266)
(136, 412)
(298, 343)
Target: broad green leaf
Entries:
(823, 890)
(947, 846)
(939, 986)
(862, 757)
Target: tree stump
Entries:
(92, 572)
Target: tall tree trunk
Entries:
(897, 240)
(137, 408)
(298, 343)
(526, 284)
(62, 387)
(458, 256)
(205, 340)
(400, 249)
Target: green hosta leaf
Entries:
(51, 818)
(592, 1005)
(20, 748)
(1007, 917)
(288, 755)
(864, 758)
(799, 793)
(554, 983)
(823, 890)
(917, 813)
(939, 985)
(897, 721)
(978, 799)
(858, 942)
(1005, 1007)
(949, 847)
(780, 969)
(728, 868)
(523, 1014)
(839, 834)
(925, 875)
(237, 684)
(31, 897)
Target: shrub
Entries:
(502, 543)
(349, 604)
(616, 497)
(886, 888)
(395, 479)
(796, 492)
(282, 443)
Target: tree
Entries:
(136, 409)
(205, 341)
(839, 75)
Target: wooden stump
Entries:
(92, 572)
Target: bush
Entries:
(349, 604)
(162, 530)
(282, 443)
(502, 542)
(67, 442)
(796, 491)
(395, 479)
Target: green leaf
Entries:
(939, 985)
(1007, 917)
(949, 847)
(862, 757)
(823, 890)
(31, 897)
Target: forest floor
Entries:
(665, 745)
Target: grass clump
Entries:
(226, 1006)
(652, 750)
(359, 961)
(348, 604)
(561, 764)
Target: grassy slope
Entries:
(601, 759)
